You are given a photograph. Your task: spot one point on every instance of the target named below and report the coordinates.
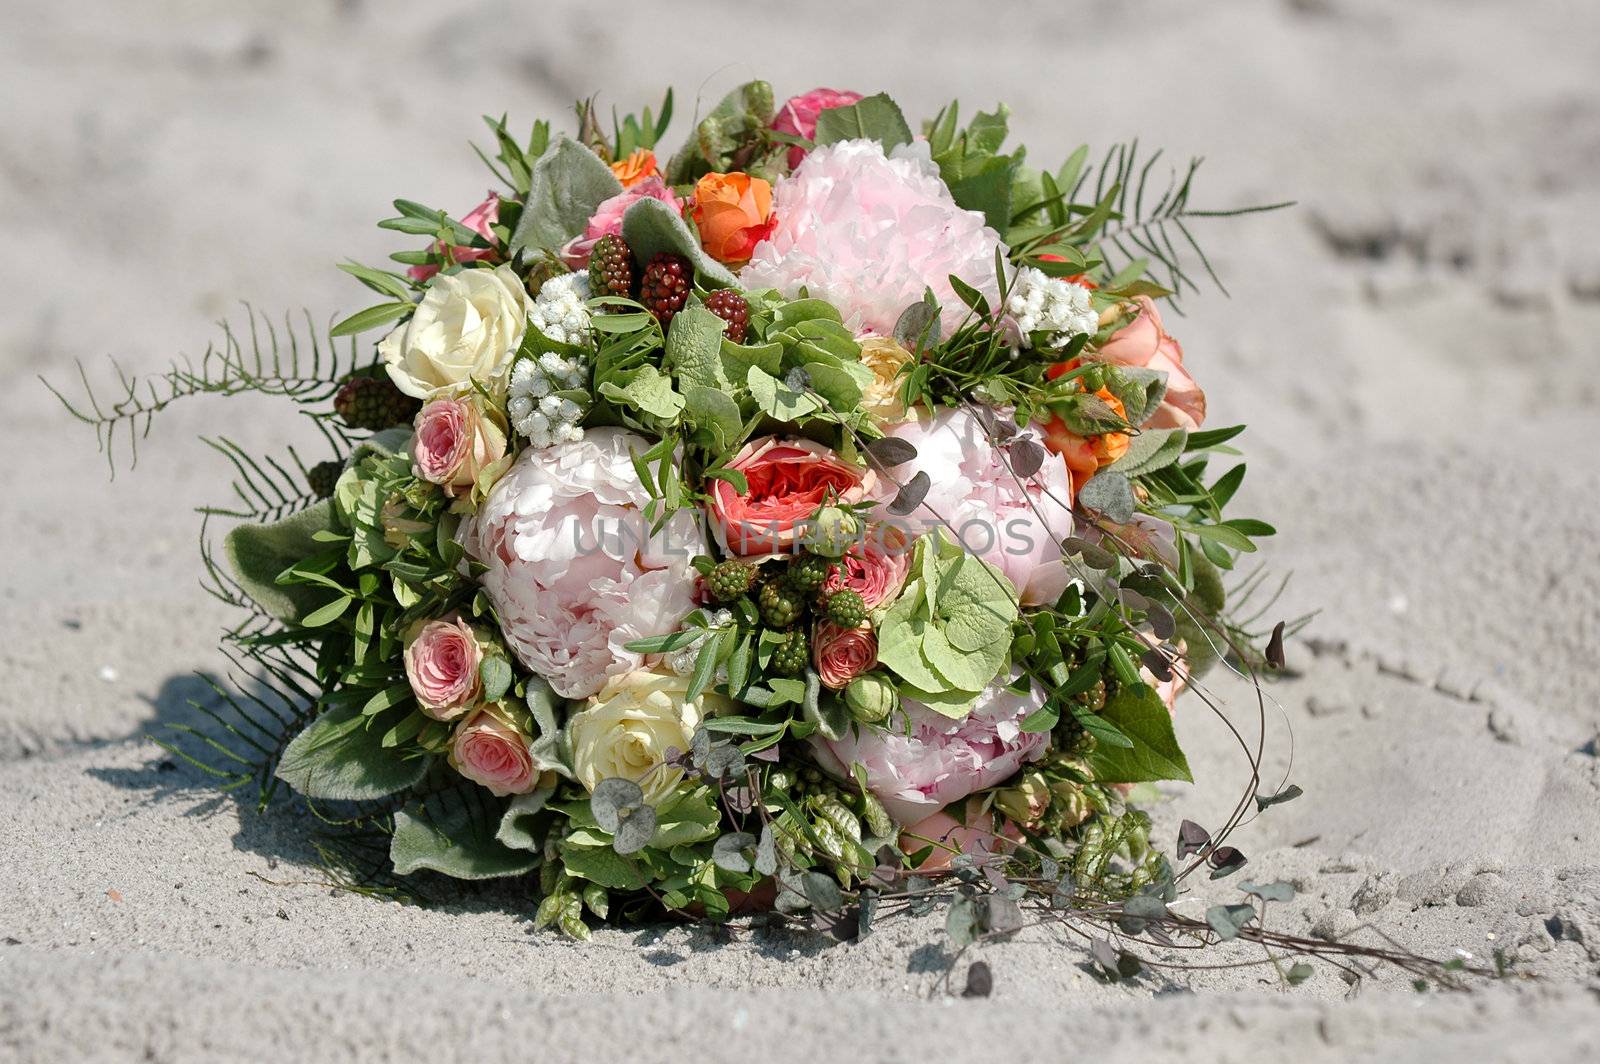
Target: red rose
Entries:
(788, 480)
(842, 654)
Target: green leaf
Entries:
(776, 399)
(517, 825)
(455, 834)
(602, 865)
(693, 351)
(716, 418)
(381, 281)
(1150, 450)
(258, 553)
(340, 757)
(875, 118)
(651, 227)
(647, 390)
(372, 317)
(1138, 713)
(495, 672)
(566, 185)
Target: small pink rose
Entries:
(442, 658)
(489, 751)
(479, 220)
(1145, 343)
(841, 654)
(874, 568)
(798, 116)
(607, 219)
(453, 443)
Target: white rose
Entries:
(628, 727)
(467, 327)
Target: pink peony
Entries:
(841, 654)
(921, 761)
(798, 116)
(948, 836)
(869, 233)
(453, 442)
(571, 567)
(442, 658)
(479, 220)
(1016, 527)
(874, 568)
(487, 750)
(607, 219)
(788, 481)
(1145, 343)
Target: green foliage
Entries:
(1138, 713)
(341, 757)
(735, 135)
(453, 832)
(651, 227)
(874, 118)
(566, 185)
(979, 176)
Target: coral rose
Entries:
(1087, 455)
(607, 218)
(480, 220)
(798, 116)
(874, 568)
(734, 214)
(1145, 343)
(841, 654)
(441, 659)
(454, 441)
(636, 167)
(489, 751)
(788, 481)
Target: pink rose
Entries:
(1144, 343)
(875, 568)
(479, 220)
(798, 116)
(442, 658)
(841, 654)
(949, 836)
(489, 751)
(921, 761)
(453, 443)
(788, 481)
(607, 219)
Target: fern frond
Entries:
(298, 363)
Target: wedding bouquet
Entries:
(768, 526)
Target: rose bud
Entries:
(871, 698)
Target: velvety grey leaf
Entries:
(455, 836)
(256, 554)
(341, 757)
(911, 495)
(1145, 907)
(568, 182)
(634, 830)
(1110, 494)
(766, 861)
(1001, 914)
(1226, 920)
(495, 672)
(612, 799)
(728, 851)
(961, 922)
(822, 892)
(651, 227)
(916, 320)
(725, 761)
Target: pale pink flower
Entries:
(487, 750)
(874, 568)
(607, 218)
(921, 761)
(975, 836)
(1013, 524)
(479, 220)
(572, 569)
(453, 442)
(869, 233)
(1145, 343)
(441, 659)
(798, 116)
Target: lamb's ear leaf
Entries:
(257, 554)
(651, 227)
(340, 756)
(454, 832)
(516, 829)
(566, 186)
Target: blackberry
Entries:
(729, 580)
(611, 267)
(781, 606)
(664, 288)
(809, 572)
(322, 477)
(846, 609)
(374, 403)
(732, 308)
(790, 658)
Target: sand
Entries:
(1412, 345)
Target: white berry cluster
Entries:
(535, 410)
(1042, 304)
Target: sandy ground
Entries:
(1413, 346)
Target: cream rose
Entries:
(628, 727)
(467, 328)
(884, 357)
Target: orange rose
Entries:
(1085, 456)
(734, 213)
(635, 168)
